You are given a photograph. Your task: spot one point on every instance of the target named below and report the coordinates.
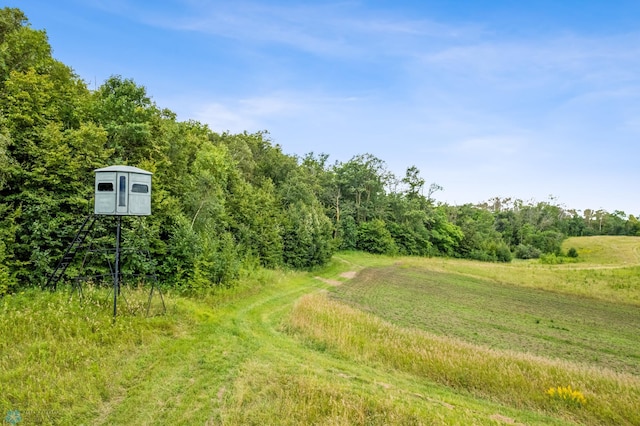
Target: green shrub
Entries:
(503, 254)
(374, 237)
(548, 241)
(572, 252)
(348, 233)
(495, 253)
(525, 251)
(481, 255)
(551, 259)
(307, 237)
(7, 282)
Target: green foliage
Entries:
(414, 182)
(21, 47)
(479, 239)
(503, 253)
(407, 221)
(217, 263)
(360, 184)
(255, 221)
(548, 241)
(524, 251)
(572, 252)
(177, 265)
(7, 283)
(306, 237)
(493, 253)
(410, 241)
(374, 237)
(551, 259)
(556, 259)
(11, 20)
(445, 235)
(348, 233)
(127, 114)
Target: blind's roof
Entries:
(129, 169)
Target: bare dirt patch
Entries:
(504, 419)
(328, 281)
(349, 274)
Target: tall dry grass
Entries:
(518, 380)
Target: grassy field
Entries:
(367, 340)
(500, 316)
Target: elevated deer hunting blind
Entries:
(122, 191)
(118, 191)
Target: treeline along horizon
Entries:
(223, 204)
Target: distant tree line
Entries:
(223, 204)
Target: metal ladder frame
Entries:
(70, 253)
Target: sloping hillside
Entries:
(376, 340)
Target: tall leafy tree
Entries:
(361, 181)
(126, 112)
(49, 152)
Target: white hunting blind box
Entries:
(122, 191)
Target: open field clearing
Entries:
(500, 316)
(608, 268)
(366, 340)
(607, 250)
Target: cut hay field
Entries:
(500, 316)
(368, 340)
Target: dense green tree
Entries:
(615, 223)
(361, 183)
(348, 234)
(407, 221)
(445, 235)
(49, 153)
(478, 229)
(374, 237)
(306, 236)
(21, 47)
(633, 226)
(575, 225)
(11, 20)
(5, 158)
(413, 182)
(206, 195)
(126, 112)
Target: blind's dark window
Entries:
(122, 196)
(105, 186)
(139, 187)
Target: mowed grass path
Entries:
(241, 365)
(232, 358)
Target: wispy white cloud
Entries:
(480, 113)
(586, 60)
(334, 29)
(238, 115)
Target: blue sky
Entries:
(521, 99)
